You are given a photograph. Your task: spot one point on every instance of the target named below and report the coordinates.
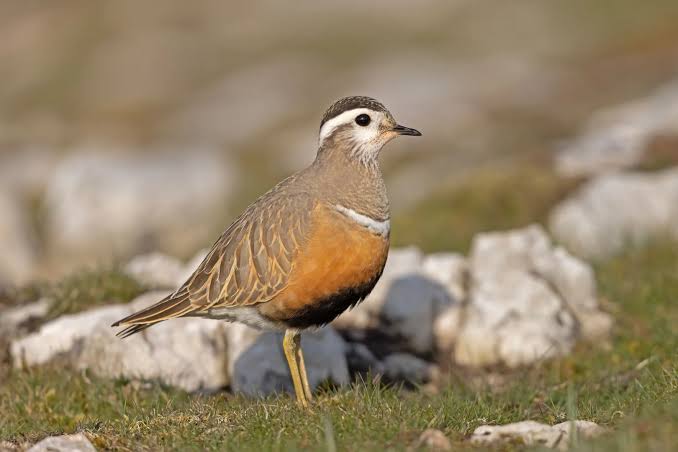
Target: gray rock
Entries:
(403, 367)
(395, 367)
(260, 368)
(188, 353)
(617, 137)
(533, 433)
(528, 301)
(18, 257)
(404, 304)
(77, 442)
(615, 210)
(361, 360)
(101, 204)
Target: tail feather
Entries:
(174, 305)
(130, 330)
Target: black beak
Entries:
(402, 130)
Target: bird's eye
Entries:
(362, 120)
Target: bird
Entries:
(310, 248)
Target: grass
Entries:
(90, 288)
(639, 403)
(79, 291)
(629, 385)
(494, 198)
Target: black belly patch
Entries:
(325, 310)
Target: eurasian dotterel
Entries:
(307, 250)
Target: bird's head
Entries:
(361, 126)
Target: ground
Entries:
(629, 384)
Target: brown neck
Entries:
(342, 179)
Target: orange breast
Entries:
(341, 261)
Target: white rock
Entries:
(528, 301)
(160, 271)
(615, 210)
(406, 300)
(450, 270)
(446, 327)
(12, 319)
(586, 429)
(260, 367)
(65, 443)
(187, 353)
(533, 433)
(25, 171)
(156, 270)
(63, 334)
(18, 257)
(617, 137)
(101, 204)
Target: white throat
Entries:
(381, 228)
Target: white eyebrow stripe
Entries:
(343, 118)
(378, 227)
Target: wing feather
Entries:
(249, 264)
(258, 251)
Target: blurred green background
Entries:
(493, 85)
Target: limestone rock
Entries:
(100, 204)
(156, 270)
(161, 271)
(533, 433)
(188, 353)
(617, 137)
(528, 301)
(77, 442)
(615, 210)
(15, 319)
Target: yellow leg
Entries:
(290, 346)
(302, 369)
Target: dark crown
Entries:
(349, 103)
